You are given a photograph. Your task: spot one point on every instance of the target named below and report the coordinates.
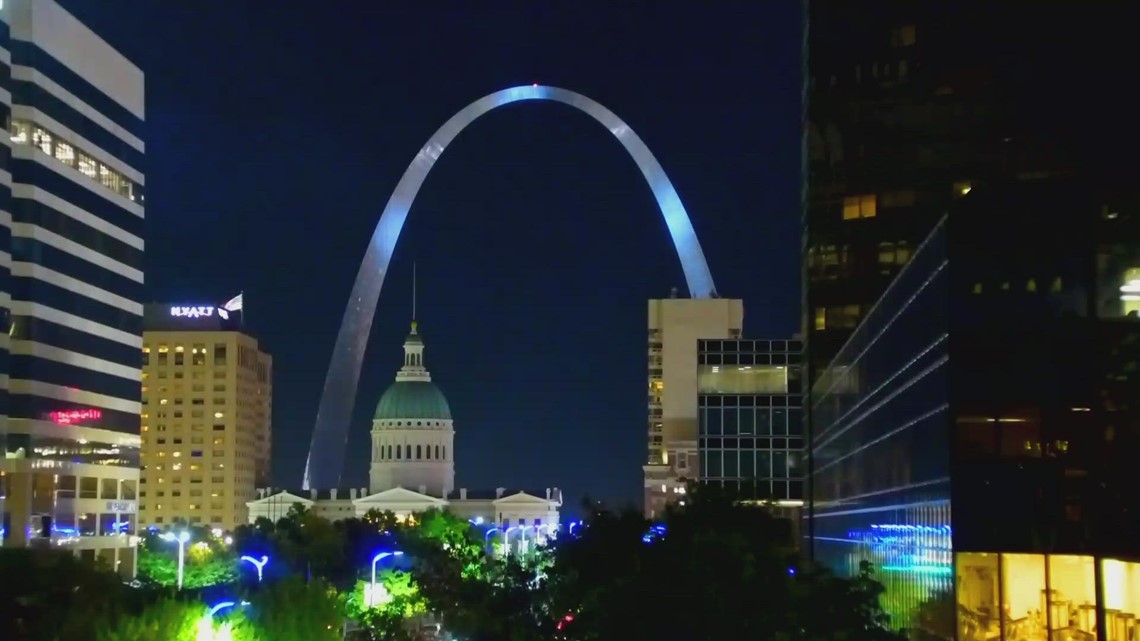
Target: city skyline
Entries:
(516, 354)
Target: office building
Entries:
(675, 326)
(412, 469)
(207, 413)
(751, 423)
(71, 261)
(913, 104)
(974, 439)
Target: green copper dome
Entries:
(412, 400)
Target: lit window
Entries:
(42, 139)
(862, 206)
(219, 414)
(65, 153)
(821, 318)
(87, 165)
(21, 132)
(904, 36)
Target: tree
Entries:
(717, 569)
(295, 610)
(167, 619)
(208, 561)
(54, 595)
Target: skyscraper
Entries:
(70, 282)
(675, 326)
(206, 420)
(974, 439)
(913, 104)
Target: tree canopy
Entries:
(716, 568)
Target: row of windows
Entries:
(748, 358)
(749, 400)
(748, 421)
(216, 520)
(214, 505)
(176, 480)
(792, 442)
(742, 346)
(716, 464)
(404, 453)
(867, 205)
(178, 467)
(762, 489)
(197, 355)
(218, 440)
(831, 262)
(837, 317)
(20, 446)
(24, 133)
(218, 493)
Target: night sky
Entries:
(277, 131)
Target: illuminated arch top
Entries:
(326, 455)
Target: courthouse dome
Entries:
(413, 400)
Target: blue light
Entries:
(221, 606)
(919, 569)
(791, 571)
(326, 453)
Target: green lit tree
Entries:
(166, 619)
(208, 561)
(293, 609)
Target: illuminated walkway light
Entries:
(181, 538)
(257, 563)
(334, 415)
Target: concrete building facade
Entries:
(206, 421)
(675, 326)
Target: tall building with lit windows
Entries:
(910, 105)
(975, 440)
(71, 277)
(675, 326)
(207, 412)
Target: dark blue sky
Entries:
(278, 130)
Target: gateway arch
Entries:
(330, 434)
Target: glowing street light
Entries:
(573, 524)
(182, 537)
(259, 564)
(373, 599)
(206, 630)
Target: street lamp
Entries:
(206, 630)
(182, 537)
(259, 564)
(573, 524)
(507, 539)
(376, 559)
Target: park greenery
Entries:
(713, 569)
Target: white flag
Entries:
(233, 304)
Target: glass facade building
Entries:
(72, 223)
(974, 439)
(751, 422)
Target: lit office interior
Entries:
(1045, 597)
